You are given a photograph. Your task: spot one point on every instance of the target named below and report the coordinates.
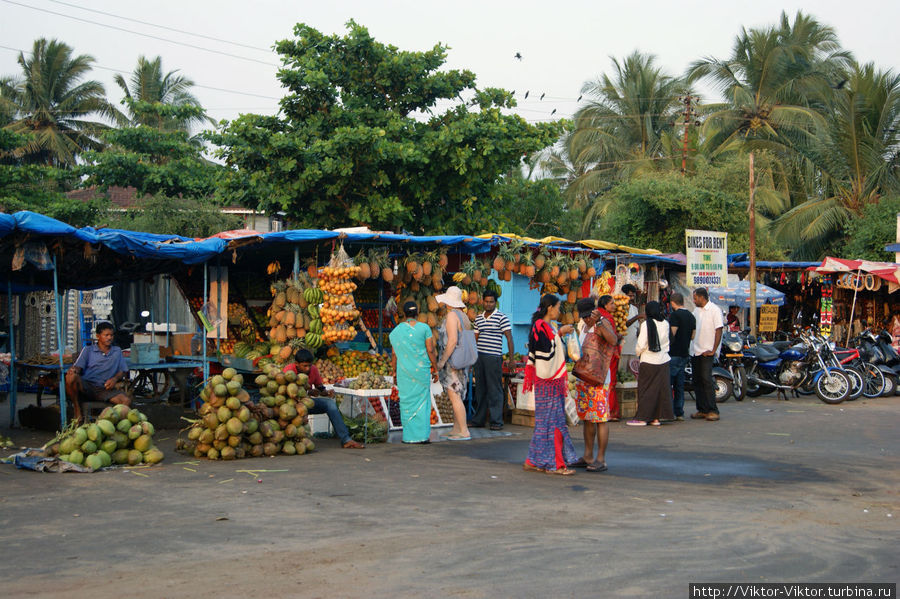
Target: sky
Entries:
(562, 44)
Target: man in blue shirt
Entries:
(95, 374)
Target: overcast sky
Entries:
(563, 44)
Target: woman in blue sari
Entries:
(413, 359)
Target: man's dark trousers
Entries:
(704, 388)
(488, 389)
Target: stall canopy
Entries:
(739, 295)
(743, 261)
(888, 271)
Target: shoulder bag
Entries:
(593, 367)
(465, 354)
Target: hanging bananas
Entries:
(273, 268)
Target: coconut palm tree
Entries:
(773, 84)
(52, 104)
(626, 128)
(149, 84)
(855, 161)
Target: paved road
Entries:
(776, 491)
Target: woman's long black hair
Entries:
(547, 301)
(654, 311)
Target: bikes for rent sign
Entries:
(707, 258)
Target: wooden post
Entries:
(752, 210)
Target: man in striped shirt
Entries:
(490, 326)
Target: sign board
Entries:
(768, 318)
(707, 258)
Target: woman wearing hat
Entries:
(413, 359)
(455, 381)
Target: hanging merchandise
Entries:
(826, 317)
(338, 310)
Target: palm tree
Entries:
(625, 128)
(149, 84)
(855, 160)
(51, 104)
(773, 83)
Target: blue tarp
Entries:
(739, 295)
(743, 261)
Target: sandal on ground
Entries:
(561, 471)
(579, 463)
(636, 423)
(351, 444)
(527, 467)
(458, 437)
(654, 423)
(597, 467)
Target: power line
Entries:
(208, 37)
(156, 37)
(122, 72)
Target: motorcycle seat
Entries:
(781, 345)
(765, 353)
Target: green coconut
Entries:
(277, 437)
(287, 411)
(105, 458)
(121, 410)
(211, 421)
(292, 390)
(147, 428)
(288, 448)
(240, 453)
(93, 462)
(255, 438)
(76, 457)
(94, 432)
(106, 427)
(120, 456)
(233, 403)
(135, 431)
(234, 440)
(261, 380)
(243, 414)
(80, 435)
(303, 379)
(252, 426)
(228, 373)
(108, 414)
(227, 453)
(290, 431)
(257, 450)
(135, 457)
(300, 447)
(213, 454)
(206, 436)
(124, 425)
(309, 403)
(67, 445)
(89, 447)
(221, 390)
(194, 433)
(290, 376)
(310, 446)
(223, 414)
(221, 432)
(121, 439)
(153, 456)
(270, 449)
(217, 380)
(233, 387)
(268, 401)
(143, 443)
(109, 446)
(235, 426)
(238, 378)
(134, 416)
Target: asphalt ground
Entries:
(776, 491)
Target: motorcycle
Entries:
(785, 367)
(722, 379)
(870, 377)
(874, 348)
(731, 358)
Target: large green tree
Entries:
(184, 216)
(370, 134)
(53, 104)
(152, 160)
(148, 83)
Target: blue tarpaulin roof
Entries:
(743, 261)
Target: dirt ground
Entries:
(776, 491)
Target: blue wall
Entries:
(518, 302)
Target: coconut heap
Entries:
(232, 427)
(120, 435)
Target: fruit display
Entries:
(444, 407)
(620, 312)
(232, 427)
(368, 380)
(367, 430)
(394, 408)
(338, 310)
(353, 363)
(120, 435)
(330, 372)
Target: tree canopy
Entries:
(370, 134)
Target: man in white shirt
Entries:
(706, 339)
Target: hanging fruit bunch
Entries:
(338, 310)
(605, 284)
(620, 312)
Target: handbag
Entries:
(465, 354)
(593, 367)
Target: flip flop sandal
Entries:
(580, 463)
(531, 468)
(597, 467)
(457, 438)
(561, 472)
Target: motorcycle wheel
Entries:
(724, 388)
(890, 385)
(856, 383)
(873, 381)
(833, 387)
(740, 383)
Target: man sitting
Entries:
(97, 371)
(320, 396)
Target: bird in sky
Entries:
(526, 95)
(518, 56)
(542, 95)
(579, 98)
(554, 112)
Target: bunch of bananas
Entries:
(273, 268)
(313, 296)
(458, 277)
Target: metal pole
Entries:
(152, 312)
(381, 316)
(853, 306)
(168, 288)
(219, 303)
(13, 383)
(296, 270)
(752, 209)
(203, 330)
(59, 346)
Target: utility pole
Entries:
(752, 209)
(687, 123)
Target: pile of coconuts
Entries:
(231, 426)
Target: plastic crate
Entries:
(144, 353)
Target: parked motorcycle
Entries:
(731, 358)
(874, 348)
(871, 378)
(805, 363)
(722, 380)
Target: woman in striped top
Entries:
(551, 448)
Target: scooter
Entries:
(731, 358)
(722, 380)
